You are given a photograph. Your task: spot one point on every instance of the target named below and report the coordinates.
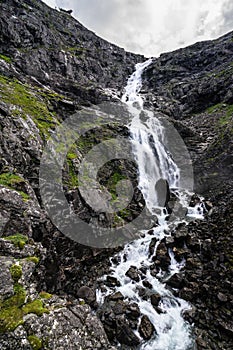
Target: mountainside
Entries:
(50, 67)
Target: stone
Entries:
(117, 296)
(222, 297)
(133, 273)
(176, 281)
(133, 311)
(125, 335)
(7, 283)
(146, 328)
(155, 299)
(87, 294)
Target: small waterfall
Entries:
(154, 162)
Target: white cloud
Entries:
(51, 3)
(153, 26)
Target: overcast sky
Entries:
(151, 27)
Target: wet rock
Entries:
(147, 284)
(163, 192)
(87, 294)
(152, 246)
(176, 281)
(117, 296)
(133, 273)
(119, 308)
(133, 311)
(112, 281)
(146, 328)
(125, 335)
(155, 299)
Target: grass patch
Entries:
(18, 240)
(27, 102)
(76, 51)
(226, 110)
(5, 58)
(13, 181)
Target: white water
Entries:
(154, 162)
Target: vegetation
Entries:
(112, 183)
(13, 181)
(13, 309)
(11, 315)
(16, 272)
(18, 240)
(33, 259)
(35, 307)
(76, 51)
(35, 342)
(27, 101)
(45, 295)
(226, 110)
(5, 58)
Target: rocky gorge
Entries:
(50, 67)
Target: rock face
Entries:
(50, 67)
(192, 79)
(58, 51)
(30, 318)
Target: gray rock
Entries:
(6, 283)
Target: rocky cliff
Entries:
(51, 66)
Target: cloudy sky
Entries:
(151, 27)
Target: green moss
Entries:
(9, 179)
(13, 309)
(33, 259)
(35, 342)
(225, 119)
(76, 51)
(214, 108)
(45, 295)
(18, 240)
(228, 115)
(11, 315)
(18, 299)
(71, 156)
(10, 319)
(13, 181)
(35, 307)
(16, 272)
(112, 182)
(28, 102)
(5, 58)
(72, 176)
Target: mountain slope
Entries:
(50, 67)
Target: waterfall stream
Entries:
(154, 161)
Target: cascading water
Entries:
(154, 162)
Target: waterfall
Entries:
(154, 162)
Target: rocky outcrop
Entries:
(34, 319)
(50, 48)
(192, 79)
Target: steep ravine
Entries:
(51, 66)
